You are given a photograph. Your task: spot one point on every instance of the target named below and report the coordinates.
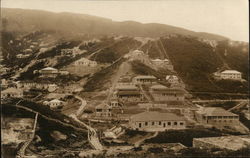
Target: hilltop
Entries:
(24, 21)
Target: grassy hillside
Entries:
(195, 62)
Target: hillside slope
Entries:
(20, 20)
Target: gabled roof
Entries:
(156, 116)
(231, 71)
(83, 59)
(156, 60)
(159, 59)
(126, 87)
(128, 93)
(146, 77)
(159, 86)
(55, 101)
(171, 77)
(12, 90)
(215, 111)
(103, 106)
(138, 51)
(49, 68)
(169, 90)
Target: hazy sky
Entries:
(225, 17)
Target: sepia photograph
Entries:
(124, 79)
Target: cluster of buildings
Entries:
(228, 75)
(72, 52)
(131, 91)
(138, 55)
(27, 85)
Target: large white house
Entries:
(156, 121)
(49, 72)
(229, 74)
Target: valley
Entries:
(126, 91)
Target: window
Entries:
(175, 123)
(139, 125)
(146, 123)
(164, 124)
(181, 123)
(153, 123)
(159, 122)
(169, 123)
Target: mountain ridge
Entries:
(25, 20)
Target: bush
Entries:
(155, 150)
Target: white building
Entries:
(85, 62)
(55, 104)
(229, 74)
(11, 93)
(21, 56)
(48, 72)
(156, 121)
(172, 79)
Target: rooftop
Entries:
(159, 60)
(169, 90)
(49, 68)
(215, 111)
(171, 76)
(231, 71)
(158, 86)
(145, 77)
(126, 87)
(12, 90)
(103, 106)
(55, 101)
(156, 116)
(128, 93)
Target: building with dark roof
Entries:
(144, 79)
(156, 121)
(103, 110)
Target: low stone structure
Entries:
(226, 142)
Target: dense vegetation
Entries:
(195, 61)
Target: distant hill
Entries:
(26, 21)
